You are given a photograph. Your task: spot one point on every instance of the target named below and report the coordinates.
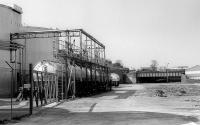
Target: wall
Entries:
(131, 77)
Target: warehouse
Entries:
(193, 73)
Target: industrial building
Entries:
(65, 62)
(193, 73)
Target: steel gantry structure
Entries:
(71, 49)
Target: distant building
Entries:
(193, 73)
(146, 69)
(179, 68)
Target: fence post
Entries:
(11, 90)
(31, 88)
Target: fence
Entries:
(27, 90)
(20, 95)
(10, 106)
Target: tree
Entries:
(108, 61)
(118, 64)
(154, 65)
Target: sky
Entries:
(133, 31)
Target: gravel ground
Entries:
(170, 90)
(127, 105)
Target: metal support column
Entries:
(66, 79)
(31, 88)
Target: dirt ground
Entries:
(133, 104)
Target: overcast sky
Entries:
(134, 31)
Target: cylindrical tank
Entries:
(83, 86)
(10, 22)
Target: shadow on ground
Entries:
(125, 95)
(4, 103)
(64, 117)
(17, 114)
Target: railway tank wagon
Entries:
(76, 57)
(87, 82)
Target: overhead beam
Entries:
(53, 33)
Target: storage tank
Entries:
(10, 22)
